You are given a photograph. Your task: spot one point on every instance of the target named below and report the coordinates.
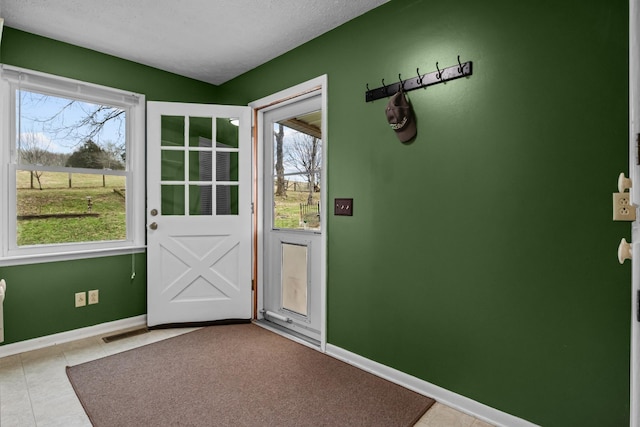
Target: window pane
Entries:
(172, 165)
(227, 132)
(200, 202)
(299, 208)
(59, 207)
(227, 200)
(227, 166)
(297, 169)
(172, 199)
(65, 132)
(172, 131)
(200, 131)
(200, 168)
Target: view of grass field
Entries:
(37, 209)
(58, 212)
(289, 214)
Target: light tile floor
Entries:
(35, 391)
(440, 415)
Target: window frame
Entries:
(13, 79)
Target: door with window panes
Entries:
(198, 213)
(293, 233)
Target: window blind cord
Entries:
(133, 265)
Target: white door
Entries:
(293, 165)
(198, 213)
(634, 171)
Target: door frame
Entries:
(634, 174)
(298, 92)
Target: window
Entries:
(297, 150)
(73, 154)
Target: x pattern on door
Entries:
(209, 263)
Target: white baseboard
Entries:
(446, 397)
(76, 334)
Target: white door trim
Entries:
(260, 106)
(634, 174)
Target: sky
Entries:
(44, 120)
(294, 173)
(49, 122)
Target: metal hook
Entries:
(385, 87)
(459, 65)
(419, 79)
(439, 75)
(368, 87)
(401, 82)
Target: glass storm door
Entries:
(293, 235)
(198, 213)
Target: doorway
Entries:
(291, 238)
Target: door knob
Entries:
(624, 183)
(154, 226)
(624, 251)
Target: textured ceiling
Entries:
(209, 40)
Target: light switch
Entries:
(343, 207)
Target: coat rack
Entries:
(429, 79)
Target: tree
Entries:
(90, 156)
(305, 154)
(113, 155)
(33, 150)
(281, 189)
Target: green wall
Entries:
(50, 56)
(481, 257)
(40, 297)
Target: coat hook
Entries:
(459, 65)
(419, 79)
(439, 75)
(368, 87)
(384, 86)
(401, 82)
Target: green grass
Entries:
(57, 198)
(287, 211)
(52, 180)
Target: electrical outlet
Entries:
(623, 210)
(94, 296)
(81, 299)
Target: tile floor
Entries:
(35, 391)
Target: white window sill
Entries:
(69, 256)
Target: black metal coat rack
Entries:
(429, 79)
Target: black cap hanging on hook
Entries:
(400, 117)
